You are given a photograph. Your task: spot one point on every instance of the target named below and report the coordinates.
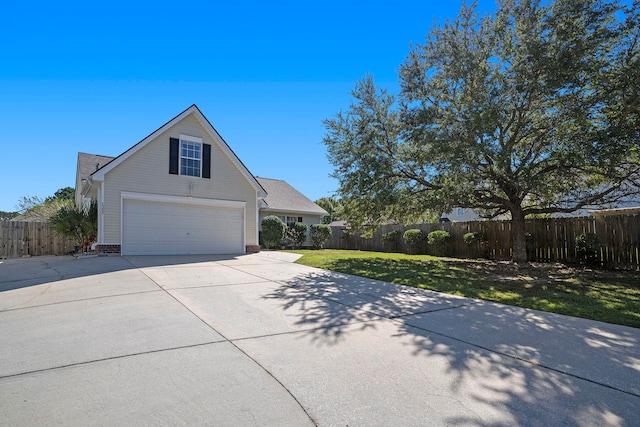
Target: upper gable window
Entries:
(190, 157)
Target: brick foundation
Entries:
(115, 249)
(107, 249)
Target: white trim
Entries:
(244, 229)
(190, 138)
(181, 200)
(101, 212)
(257, 221)
(289, 211)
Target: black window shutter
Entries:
(299, 219)
(174, 147)
(206, 160)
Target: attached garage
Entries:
(181, 226)
(181, 190)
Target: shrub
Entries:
(476, 241)
(438, 238)
(473, 238)
(413, 239)
(319, 234)
(297, 235)
(390, 240)
(273, 231)
(79, 224)
(588, 249)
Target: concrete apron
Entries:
(258, 340)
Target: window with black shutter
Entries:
(189, 156)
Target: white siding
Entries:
(147, 171)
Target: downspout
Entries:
(258, 201)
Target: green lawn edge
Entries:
(607, 296)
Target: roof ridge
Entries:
(271, 179)
(93, 154)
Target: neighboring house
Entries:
(467, 214)
(289, 204)
(600, 213)
(87, 164)
(461, 215)
(181, 190)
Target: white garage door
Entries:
(156, 228)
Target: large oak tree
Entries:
(533, 109)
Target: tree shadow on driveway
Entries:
(328, 302)
(535, 368)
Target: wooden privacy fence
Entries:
(548, 240)
(20, 238)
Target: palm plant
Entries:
(79, 224)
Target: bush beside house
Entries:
(296, 235)
(273, 231)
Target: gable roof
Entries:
(195, 111)
(282, 197)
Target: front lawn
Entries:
(608, 296)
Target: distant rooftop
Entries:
(89, 163)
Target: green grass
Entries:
(608, 296)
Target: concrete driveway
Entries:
(259, 340)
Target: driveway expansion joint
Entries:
(74, 300)
(299, 331)
(105, 359)
(268, 372)
(179, 288)
(435, 310)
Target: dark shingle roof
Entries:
(283, 197)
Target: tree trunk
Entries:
(518, 236)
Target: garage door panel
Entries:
(169, 228)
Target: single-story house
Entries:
(289, 204)
(182, 190)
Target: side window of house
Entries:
(460, 211)
(189, 156)
(290, 220)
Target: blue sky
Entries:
(98, 77)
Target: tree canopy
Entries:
(530, 110)
(66, 193)
(34, 208)
(6, 216)
(333, 206)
